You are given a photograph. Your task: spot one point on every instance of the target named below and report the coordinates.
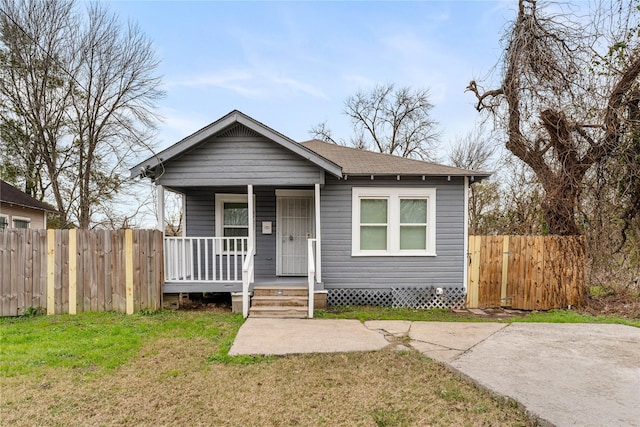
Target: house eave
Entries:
(5, 202)
(475, 177)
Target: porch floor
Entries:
(212, 286)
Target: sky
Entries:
(292, 64)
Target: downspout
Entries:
(465, 273)
(318, 237)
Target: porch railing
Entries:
(204, 259)
(311, 273)
(247, 278)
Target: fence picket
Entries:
(37, 270)
(528, 272)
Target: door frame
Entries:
(295, 194)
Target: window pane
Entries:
(413, 211)
(236, 214)
(236, 232)
(18, 223)
(373, 211)
(373, 238)
(3, 223)
(413, 237)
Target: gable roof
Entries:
(11, 195)
(224, 123)
(361, 162)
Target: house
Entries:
(19, 210)
(356, 227)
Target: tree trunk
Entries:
(559, 204)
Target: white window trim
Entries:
(20, 218)
(6, 220)
(393, 195)
(221, 199)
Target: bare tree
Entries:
(35, 39)
(80, 91)
(561, 116)
(113, 109)
(475, 151)
(323, 132)
(389, 121)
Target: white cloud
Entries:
(227, 79)
(298, 86)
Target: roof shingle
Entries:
(10, 194)
(361, 162)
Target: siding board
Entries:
(341, 270)
(228, 161)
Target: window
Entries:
(19, 222)
(232, 217)
(393, 221)
(4, 222)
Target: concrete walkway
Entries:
(564, 374)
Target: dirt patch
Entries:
(211, 302)
(621, 305)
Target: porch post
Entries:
(160, 208)
(252, 226)
(246, 281)
(318, 237)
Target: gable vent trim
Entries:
(239, 130)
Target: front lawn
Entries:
(172, 368)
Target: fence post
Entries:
(51, 272)
(73, 279)
(505, 270)
(474, 273)
(128, 250)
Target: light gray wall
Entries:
(239, 160)
(341, 270)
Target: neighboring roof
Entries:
(11, 195)
(361, 162)
(224, 123)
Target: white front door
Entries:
(294, 225)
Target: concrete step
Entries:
(279, 290)
(282, 301)
(280, 312)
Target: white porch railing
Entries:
(247, 278)
(311, 273)
(204, 259)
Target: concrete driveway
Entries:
(564, 374)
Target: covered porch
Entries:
(234, 239)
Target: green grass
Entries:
(364, 313)
(99, 341)
(568, 316)
(174, 368)
(103, 341)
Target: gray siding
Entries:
(239, 160)
(341, 270)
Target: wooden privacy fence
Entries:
(526, 272)
(73, 271)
